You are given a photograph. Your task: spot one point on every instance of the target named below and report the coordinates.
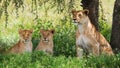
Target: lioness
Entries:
(24, 44)
(87, 37)
(46, 42)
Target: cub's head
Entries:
(80, 16)
(46, 35)
(25, 35)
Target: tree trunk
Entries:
(115, 35)
(92, 6)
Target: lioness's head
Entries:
(80, 16)
(46, 35)
(25, 35)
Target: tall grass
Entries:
(42, 60)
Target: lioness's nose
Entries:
(45, 38)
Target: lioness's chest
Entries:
(83, 41)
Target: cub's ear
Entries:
(20, 31)
(31, 30)
(52, 31)
(86, 11)
(42, 30)
(73, 11)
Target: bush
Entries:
(105, 29)
(64, 50)
(64, 37)
(41, 60)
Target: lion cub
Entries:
(46, 42)
(24, 44)
(88, 38)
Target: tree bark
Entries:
(115, 35)
(93, 7)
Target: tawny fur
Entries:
(24, 44)
(46, 42)
(87, 37)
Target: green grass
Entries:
(64, 50)
(42, 60)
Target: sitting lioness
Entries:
(46, 42)
(24, 44)
(88, 39)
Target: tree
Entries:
(115, 35)
(61, 6)
(92, 6)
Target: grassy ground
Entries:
(41, 60)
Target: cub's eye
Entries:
(80, 15)
(23, 35)
(27, 34)
(48, 34)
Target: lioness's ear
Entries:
(86, 11)
(73, 11)
(52, 31)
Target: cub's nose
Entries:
(45, 38)
(25, 39)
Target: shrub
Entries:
(64, 37)
(105, 29)
(41, 60)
